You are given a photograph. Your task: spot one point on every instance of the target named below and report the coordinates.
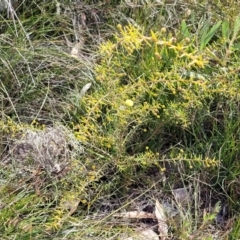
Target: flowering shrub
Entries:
(145, 84)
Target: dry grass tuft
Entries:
(52, 149)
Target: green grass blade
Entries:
(206, 39)
(225, 29)
(184, 29)
(236, 26)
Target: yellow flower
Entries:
(163, 30)
(129, 102)
(154, 36)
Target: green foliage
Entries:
(146, 83)
(208, 34)
(235, 234)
